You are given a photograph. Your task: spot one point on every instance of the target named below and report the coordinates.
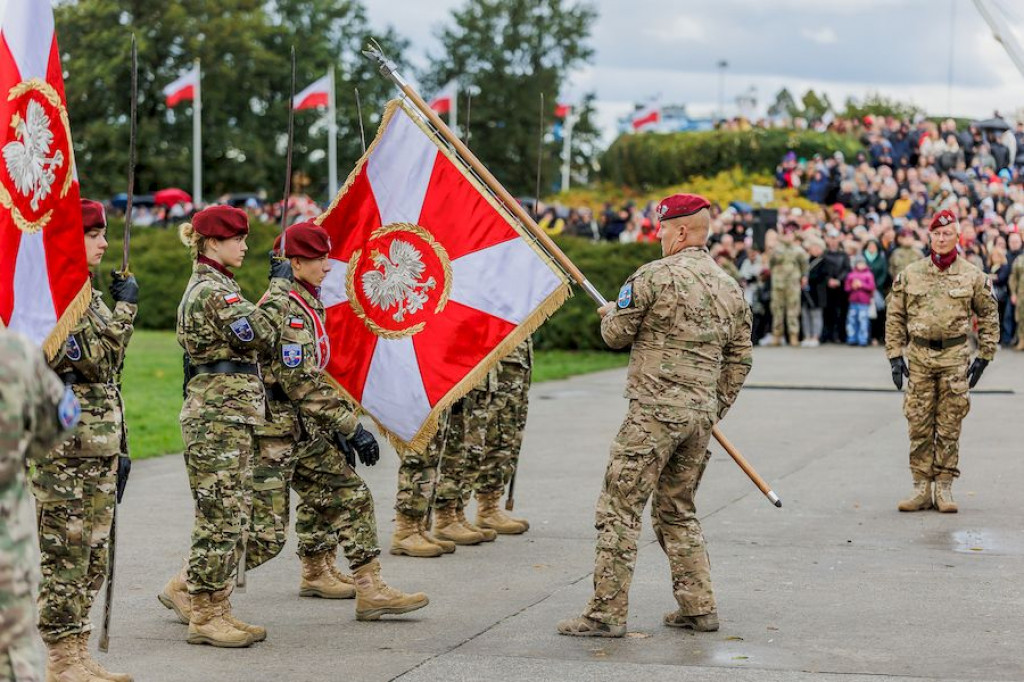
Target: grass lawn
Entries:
(152, 386)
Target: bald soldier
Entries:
(929, 314)
(690, 330)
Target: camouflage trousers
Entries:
(935, 405)
(335, 506)
(218, 458)
(75, 508)
(417, 476)
(464, 448)
(785, 310)
(506, 421)
(662, 451)
(24, 661)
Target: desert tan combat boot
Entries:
(93, 666)
(1020, 341)
(175, 596)
(374, 598)
(209, 626)
(64, 664)
(794, 340)
(489, 534)
(489, 514)
(944, 495)
(407, 539)
(921, 499)
(318, 580)
(705, 623)
(447, 545)
(448, 527)
(331, 559)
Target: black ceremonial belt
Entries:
(277, 394)
(227, 367)
(940, 344)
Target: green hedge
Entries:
(655, 159)
(162, 265)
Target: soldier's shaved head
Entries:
(685, 232)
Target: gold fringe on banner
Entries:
(72, 314)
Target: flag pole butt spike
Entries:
(774, 499)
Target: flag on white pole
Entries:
(183, 88)
(647, 118)
(446, 99)
(317, 94)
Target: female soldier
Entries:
(74, 486)
(222, 335)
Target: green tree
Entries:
(815, 106)
(784, 105)
(513, 50)
(877, 104)
(243, 46)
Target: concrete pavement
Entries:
(836, 585)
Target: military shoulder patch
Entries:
(73, 349)
(243, 330)
(296, 323)
(625, 299)
(69, 410)
(291, 355)
(232, 298)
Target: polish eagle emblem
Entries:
(29, 161)
(395, 280)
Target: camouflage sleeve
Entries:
(619, 327)
(737, 360)
(306, 385)
(247, 326)
(53, 410)
(1017, 276)
(119, 330)
(896, 319)
(805, 264)
(985, 307)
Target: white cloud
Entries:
(822, 36)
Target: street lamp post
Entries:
(722, 66)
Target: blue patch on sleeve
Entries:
(625, 295)
(291, 355)
(69, 410)
(243, 330)
(73, 349)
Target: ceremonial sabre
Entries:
(287, 181)
(359, 115)
(108, 595)
(390, 71)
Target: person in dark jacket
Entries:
(814, 293)
(879, 266)
(836, 267)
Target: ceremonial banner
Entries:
(433, 280)
(44, 277)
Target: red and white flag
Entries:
(317, 94)
(44, 277)
(562, 110)
(183, 88)
(647, 118)
(433, 280)
(446, 99)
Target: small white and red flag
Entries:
(44, 277)
(446, 99)
(433, 280)
(562, 109)
(183, 88)
(316, 94)
(646, 118)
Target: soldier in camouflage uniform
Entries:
(1017, 298)
(789, 267)
(930, 312)
(223, 336)
(36, 411)
(417, 481)
(506, 421)
(75, 486)
(690, 330)
(904, 254)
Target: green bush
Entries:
(654, 159)
(162, 265)
(576, 326)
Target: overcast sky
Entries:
(670, 48)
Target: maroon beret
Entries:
(679, 205)
(93, 215)
(305, 240)
(905, 232)
(943, 218)
(221, 222)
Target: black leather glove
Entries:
(346, 449)
(899, 370)
(124, 289)
(365, 446)
(124, 467)
(975, 371)
(280, 267)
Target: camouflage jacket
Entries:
(36, 410)
(901, 258)
(1017, 279)
(297, 368)
(216, 323)
(95, 352)
(690, 330)
(932, 304)
(521, 355)
(788, 263)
